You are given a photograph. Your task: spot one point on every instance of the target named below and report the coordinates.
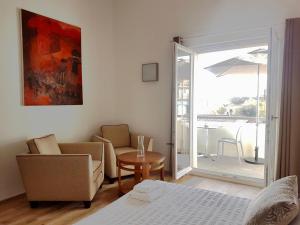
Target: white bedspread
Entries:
(180, 205)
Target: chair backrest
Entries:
(238, 136)
(232, 131)
(117, 134)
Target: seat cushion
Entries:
(117, 134)
(122, 150)
(47, 145)
(275, 205)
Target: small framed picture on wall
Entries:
(150, 72)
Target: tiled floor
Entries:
(224, 165)
(232, 166)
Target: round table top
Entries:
(150, 157)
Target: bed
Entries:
(179, 205)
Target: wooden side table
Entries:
(141, 166)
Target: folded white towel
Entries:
(146, 197)
(146, 186)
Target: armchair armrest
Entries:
(148, 141)
(96, 138)
(92, 148)
(109, 155)
(65, 177)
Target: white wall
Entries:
(69, 123)
(143, 31)
(117, 37)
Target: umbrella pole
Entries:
(256, 160)
(257, 115)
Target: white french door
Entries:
(185, 140)
(182, 111)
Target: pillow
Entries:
(47, 145)
(117, 134)
(275, 205)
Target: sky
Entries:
(212, 91)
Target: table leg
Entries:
(145, 171)
(137, 174)
(119, 178)
(162, 173)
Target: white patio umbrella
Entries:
(254, 62)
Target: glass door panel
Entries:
(182, 110)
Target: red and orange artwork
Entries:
(51, 61)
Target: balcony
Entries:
(211, 130)
(241, 133)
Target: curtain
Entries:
(288, 158)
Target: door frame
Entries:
(274, 38)
(178, 174)
(275, 65)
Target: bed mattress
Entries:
(179, 205)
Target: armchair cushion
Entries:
(47, 145)
(117, 134)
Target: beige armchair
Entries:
(117, 140)
(61, 172)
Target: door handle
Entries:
(170, 143)
(274, 117)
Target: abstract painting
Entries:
(51, 61)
